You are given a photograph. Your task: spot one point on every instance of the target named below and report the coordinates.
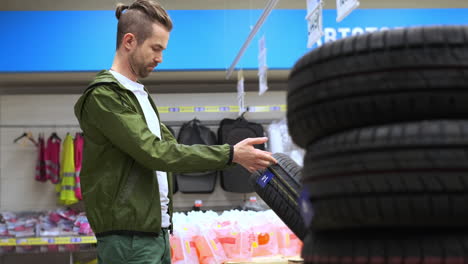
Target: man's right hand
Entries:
(251, 158)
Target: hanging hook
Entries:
(27, 135)
(245, 111)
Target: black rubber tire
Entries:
(393, 247)
(379, 78)
(405, 175)
(282, 192)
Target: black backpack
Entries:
(191, 133)
(236, 178)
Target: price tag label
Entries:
(262, 66)
(211, 109)
(35, 241)
(275, 108)
(312, 5)
(7, 242)
(315, 26)
(240, 92)
(62, 240)
(234, 109)
(187, 247)
(262, 53)
(213, 244)
(163, 110)
(262, 80)
(88, 239)
(262, 108)
(345, 7)
(187, 109)
(75, 240)
(22, 241)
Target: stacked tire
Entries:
(384, 120)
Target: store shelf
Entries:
(221, 108)
(41, 241)
(158, 82)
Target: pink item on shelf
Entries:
(68, 214)
(189, 248)
(289, 244)
(20, 226)
(85, 229)
(79, 142)
(210, 250)
(54, 217)
(266, 241)
(190, 253)
(81, 225)
(237, 243)
(3, 230)
(9, 217)
(177, 250)
(53, 159)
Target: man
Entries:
(127, 152)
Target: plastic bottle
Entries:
(252, 204)
(197, 205)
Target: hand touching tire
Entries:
(246, 155)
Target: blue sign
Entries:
(56, 41)
(76, 239)
(265, 179)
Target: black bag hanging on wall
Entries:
(192, 133)
(236, 178)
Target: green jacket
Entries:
(120, 157)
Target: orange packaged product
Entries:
(176, 248)
(210, 250)
(236, 241)
(266, 241)
(183, 247)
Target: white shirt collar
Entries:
(129, 84)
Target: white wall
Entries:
(18, 189)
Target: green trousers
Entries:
(117, 249)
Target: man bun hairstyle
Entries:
(138, 19)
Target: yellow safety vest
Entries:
(66, 187)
